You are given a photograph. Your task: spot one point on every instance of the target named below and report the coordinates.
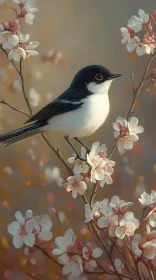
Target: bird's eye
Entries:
(99, 77)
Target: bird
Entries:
(78, 112)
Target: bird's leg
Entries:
(83, 144)
(67, 138)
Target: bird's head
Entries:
(94, 78)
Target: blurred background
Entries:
(72, 34)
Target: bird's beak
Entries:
(113, 76)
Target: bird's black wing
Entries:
(66, 102)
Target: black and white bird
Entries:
(77, 112)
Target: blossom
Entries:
(72, 265)
(137, 22)
(21, 230)
(42, 227)
(76, 185)
(89, 257)
(127, 225)
(27, 10)
(148, 42)
(126, 33)
(8, 40)
(101, 167)
(118, 265)
(127, 132)
(148, 200)
(119, 206)
(79, 166)
(24, 49)
(64, 243)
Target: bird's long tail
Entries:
(21, 134)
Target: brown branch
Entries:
(136, 94)
(135, 263)
(20, 73)
(57, 152)
(94, 192)
(23, 88)
(112, 247)
(47, 254)
(13, 108)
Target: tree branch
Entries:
(136, 94)
(13, 108)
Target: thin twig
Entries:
(132, 78)
(23, 88)
(57, 152)
(112, 247)
(13, 108)
(138, 89)
(94, 192)
(46, 254)
(136, 94)
(135, 263)
(150, 272)
(20, 73)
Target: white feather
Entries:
(87, 119)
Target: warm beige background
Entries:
(86, 32)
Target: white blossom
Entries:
(147, 200)
(64, 243)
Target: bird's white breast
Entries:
(87, 119)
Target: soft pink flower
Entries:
(72, 266)
(79, 166)
(22, 231)
(148, 200)
(128, 133)
(137, 22)
(23, 49)
(89, 255)
(76, 185)
(64, 243)
(42, 226)
(127, 226)
(119, 206)
(127, 33)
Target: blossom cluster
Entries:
(12, 41)
(127, 132)
(132, 33)
(96, 168)
(16, 44)
(27, 10)
(82, 260)
(26, 228)
(114, 216)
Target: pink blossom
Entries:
(22, 231)
(64, 243)
(127, 226)
(23, 49)
(137, 22)
(119, 206)
(148, 200)
(27, 10)
(76, 185)
(135, 245)
(128, 133)
(90, 255)
(127, 33)
(72, 266)
(79, 166)
(42, 227)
